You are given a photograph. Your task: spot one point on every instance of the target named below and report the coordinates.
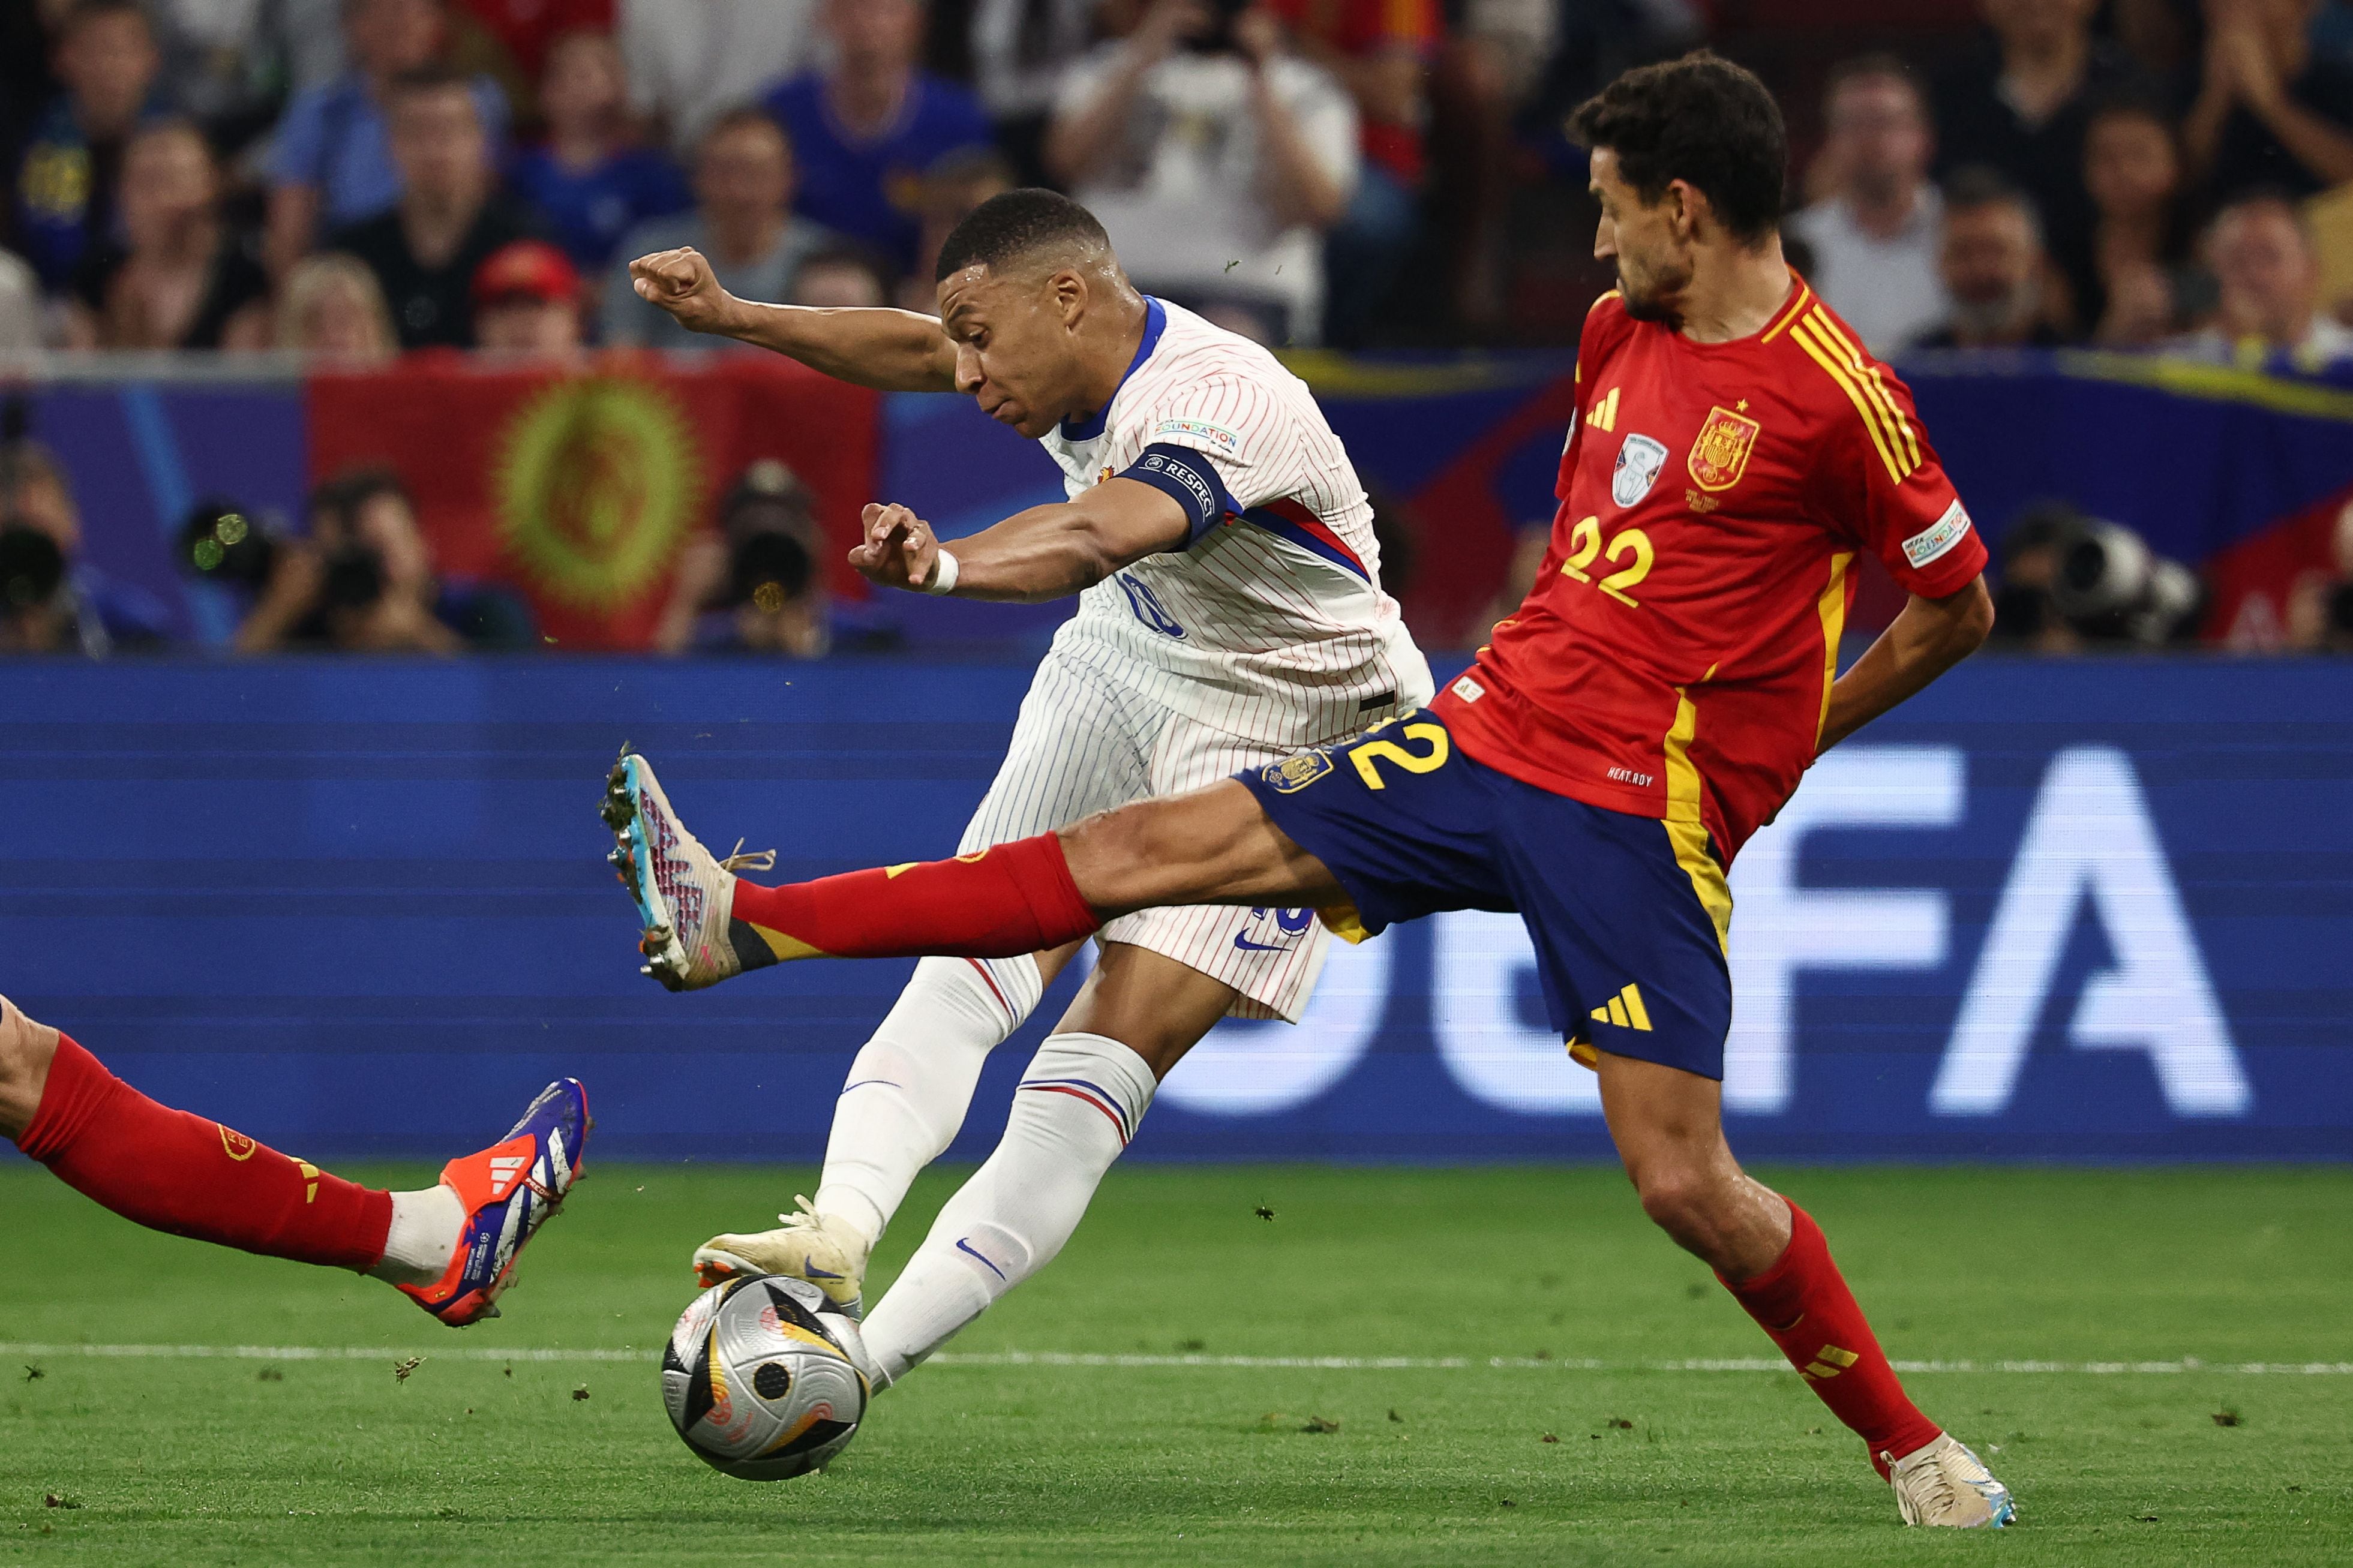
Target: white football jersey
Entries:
(1273, 624)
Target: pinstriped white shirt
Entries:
(1272, 626)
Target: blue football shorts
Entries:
(1627, 913)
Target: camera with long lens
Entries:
(770, 537)
(2109, 587)
(32, 568)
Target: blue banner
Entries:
(2086, 910)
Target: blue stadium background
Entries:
(2084, 910)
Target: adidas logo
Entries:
(1625, 1010)
(504, 1171)
(1829, 1361)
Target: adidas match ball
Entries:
(755, 1385)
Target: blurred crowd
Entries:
(354, 180)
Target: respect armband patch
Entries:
(1187, 477)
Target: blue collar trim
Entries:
(1155, 322)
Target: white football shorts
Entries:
(1088, 740)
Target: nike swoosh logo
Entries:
(1247, 945)
(964, 1245)
(811, 1271)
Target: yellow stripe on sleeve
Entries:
(1831, 608)
(1906, 447)
(1802, 335)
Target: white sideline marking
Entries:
(1268, 1363)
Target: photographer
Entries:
(2072, 583)
(363, 583)
(759, 587)
(51, 601)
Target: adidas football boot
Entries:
(684, 893)
(819, 1249)
(1945, 1485)
(508, 1190)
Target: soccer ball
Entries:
(755, 1383)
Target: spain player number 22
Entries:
(1585, 543)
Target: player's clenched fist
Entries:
(681, 282)
(900, 549)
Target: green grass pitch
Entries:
(483, 1461)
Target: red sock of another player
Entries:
(1000, 903)
(177, 1172)
(1802, 1302)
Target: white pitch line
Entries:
(1252, 1362)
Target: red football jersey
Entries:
(1675, 657)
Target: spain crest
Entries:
(1719, 454)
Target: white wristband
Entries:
(944, 574)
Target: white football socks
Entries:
(911, 1083)
(425, 1229)
(1077, 1107)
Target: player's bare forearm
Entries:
(1046, 552)
(1927, 639)
(890, 350)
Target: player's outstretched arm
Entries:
(892, 350)
(1045, 553)
(1927, 639)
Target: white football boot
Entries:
(685, 894)
(1945, 1485)
(827, 1252)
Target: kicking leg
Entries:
(1077, 1107)
(1771, 1256)
(174, 1171)
(704, 924)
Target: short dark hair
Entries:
(1977, 185)
(1701, 120)
(1012, 224)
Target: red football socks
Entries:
(1000, 903)
(177, 1172)
(1802, 1302)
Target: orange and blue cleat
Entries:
(508, 1190)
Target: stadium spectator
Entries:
(66, 182)
(527, 304)
(1215, 158)
(1991, 261)
(331, 309)
(589, 181)
(869, 125)
(2022, 107)
(367, 583)
(690, 61)
(2138, 283)
(230, 65)
(743, 222)
(524, 32)
(2272, 112)
(1874, 231)
(20, 305)
(332, 164)
(2268, 276)
(837, 278)
(1380, 50)
(51, 599)
(426, 250)
(956, 185)
(181, 278)
(1021, 51)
